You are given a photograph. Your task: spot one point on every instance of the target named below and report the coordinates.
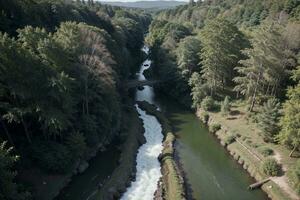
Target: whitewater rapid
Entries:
(148, 167)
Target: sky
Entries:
(136, 0)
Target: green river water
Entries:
(210, 171)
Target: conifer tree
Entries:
(263, 70)
(221, 44)
(268, 119)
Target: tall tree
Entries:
(187, 56)
(221, 44)
(290, 121)
(263, 71)
(268, 119)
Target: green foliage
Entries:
(220, 52)
(290, 121)
(266, 151)
(61, 67)
(243, 13)
(166, 46)
(8, 188)
(51, 156)
(214, 128)
(205, 117)
(208, 104)
(225, 106)
(290, 5)
(270, 167)
(187, 56)
(268, 119)
(229, 139)
(262, 73)
(76, 144)
(161, 30)
(294, 176)
(199, 89)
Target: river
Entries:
(210, 171)
(148, 167)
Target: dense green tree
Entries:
(61, 67)
(221, 44)
(187, 56)
(159, 30)
(294, 176)
(208, 104)
(225, 106)
(290, 122)
(199, 89)
(268, 119)
(164, 39)
(8, 187)
(76, 144)
(262, 73)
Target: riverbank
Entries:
(125, 172)
(246, 148)
(116, 169)
(171, 184)
(49, 186)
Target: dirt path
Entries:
(282, 181)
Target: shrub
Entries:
(205, 117)
(51, 156)
(229, 139)
(225, 106)
(208, 104)
(214, 128)
(294, 176)
(266, 151)
(76, 144)
(270, 167)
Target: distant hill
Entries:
(147, 4)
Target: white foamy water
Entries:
(147, 94)
(148, 167)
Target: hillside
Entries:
(240, 59)
(147, 4)
(62, 65)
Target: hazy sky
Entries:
(135, 0)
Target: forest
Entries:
(61, 69)
(218, 54)
(64, 64)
